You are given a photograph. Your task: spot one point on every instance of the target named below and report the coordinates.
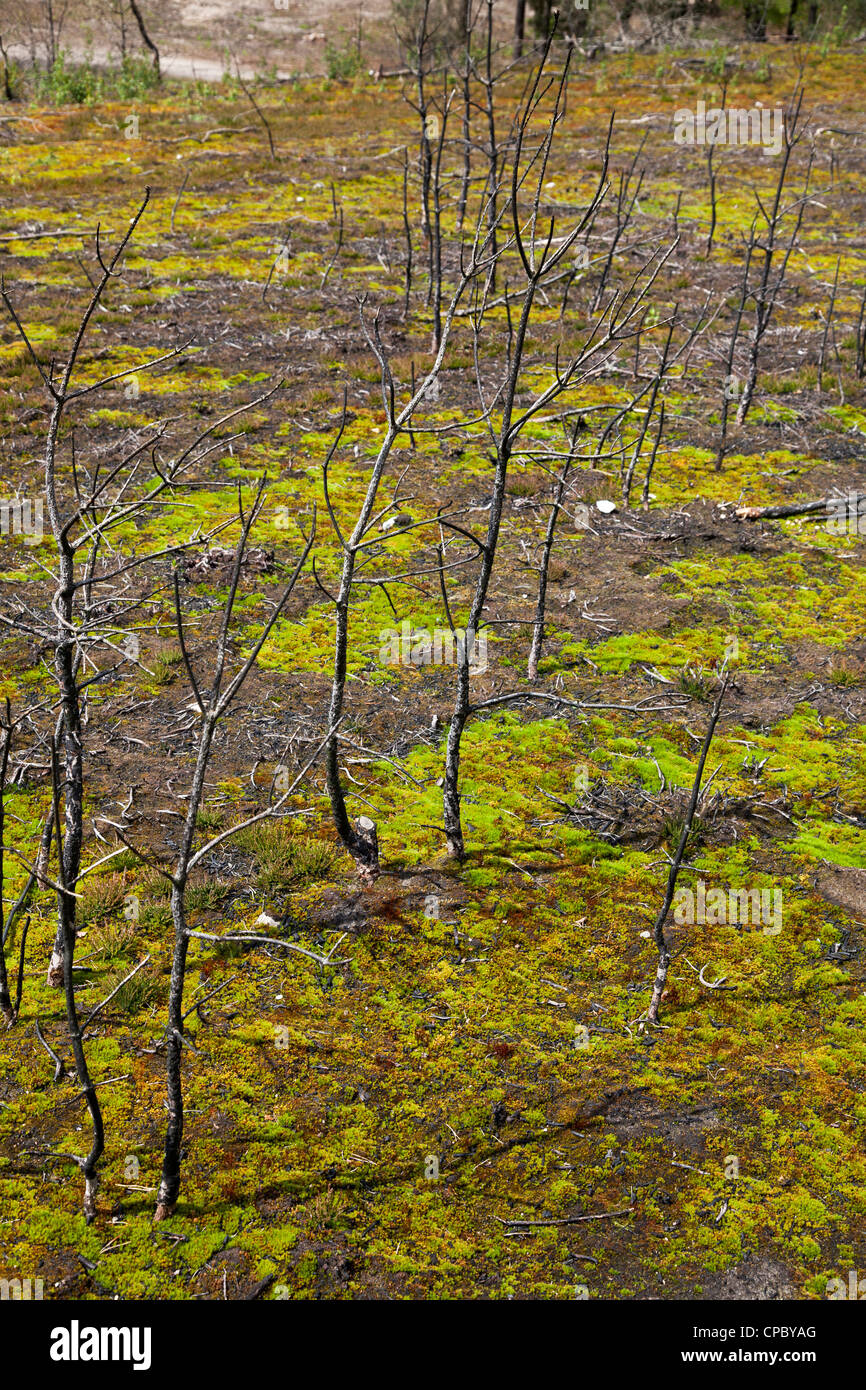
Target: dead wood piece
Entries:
(366, 850)
(822, 506)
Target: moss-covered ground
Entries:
(466, 1105)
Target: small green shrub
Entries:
(342, 62)
(79, 84)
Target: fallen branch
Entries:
(824, 506)
(248, 938)
(40, 236)
(564, 1220)
(718, 983)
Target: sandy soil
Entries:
(201, 38)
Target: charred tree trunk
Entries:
(544, 570)
(519, 27)
(658, 933)
(145, 36)
(5, 1001)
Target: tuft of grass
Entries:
(672, 829)
(230, 950)
(139, 993)
(156, 916)
(101, 896)
(154, 885)
(207, 896)
(210, 819)
(127, 859)
(527, 484)
(327, 1208)
(695, 681)
(843, 674)
(284, 858)
(165, 667)
(113, 940)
